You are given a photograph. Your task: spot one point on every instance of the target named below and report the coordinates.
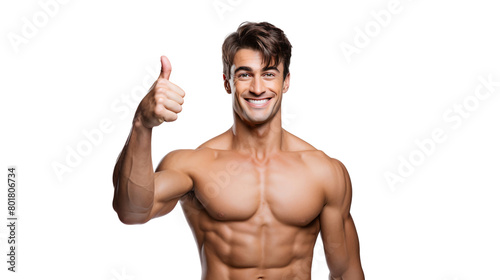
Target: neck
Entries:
(260, 141)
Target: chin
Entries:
(258, 120)
(255, 118)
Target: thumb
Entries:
(166, 68)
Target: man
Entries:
(256, 196)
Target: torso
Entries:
(256, 219)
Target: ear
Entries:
(286, 83)
(227, 86)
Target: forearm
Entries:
(133, 175)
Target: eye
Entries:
(269, 75)
(243, 75)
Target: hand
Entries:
(163, 101)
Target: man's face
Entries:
(257, 90)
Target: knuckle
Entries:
(157, 110)
(158, 98)
(160, 90)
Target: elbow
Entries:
(130, 213)
(332, 276)
(127, 220)
(352, 273)
(130, 218)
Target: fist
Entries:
(163, 101)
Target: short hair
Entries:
(263, 37)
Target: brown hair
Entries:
(263, 37)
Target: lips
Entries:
(257, 102)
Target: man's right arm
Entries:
(140, 193)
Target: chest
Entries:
(238, 190)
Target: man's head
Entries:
(256, 59)
(263, 37)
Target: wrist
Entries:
(138, 122)
(139, 128)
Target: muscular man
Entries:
(256, 196)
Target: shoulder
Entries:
(332, 176)
(297, 144)
(326, 168)
(308, 152)
(338, 190)
(184, 159)
(219, 142)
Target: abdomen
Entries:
(256, 243)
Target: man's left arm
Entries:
(338, 232)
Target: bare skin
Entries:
(256, 197)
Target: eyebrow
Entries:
(243, 68)
(246, 68)
(271, 68)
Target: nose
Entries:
(257, 86)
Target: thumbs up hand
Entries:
(163, 101)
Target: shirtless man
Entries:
(256, 196)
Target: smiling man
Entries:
(256, 196)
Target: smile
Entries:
(257, 103)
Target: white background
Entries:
(86, 63)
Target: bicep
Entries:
(170, 183)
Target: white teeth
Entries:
(260, 101)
